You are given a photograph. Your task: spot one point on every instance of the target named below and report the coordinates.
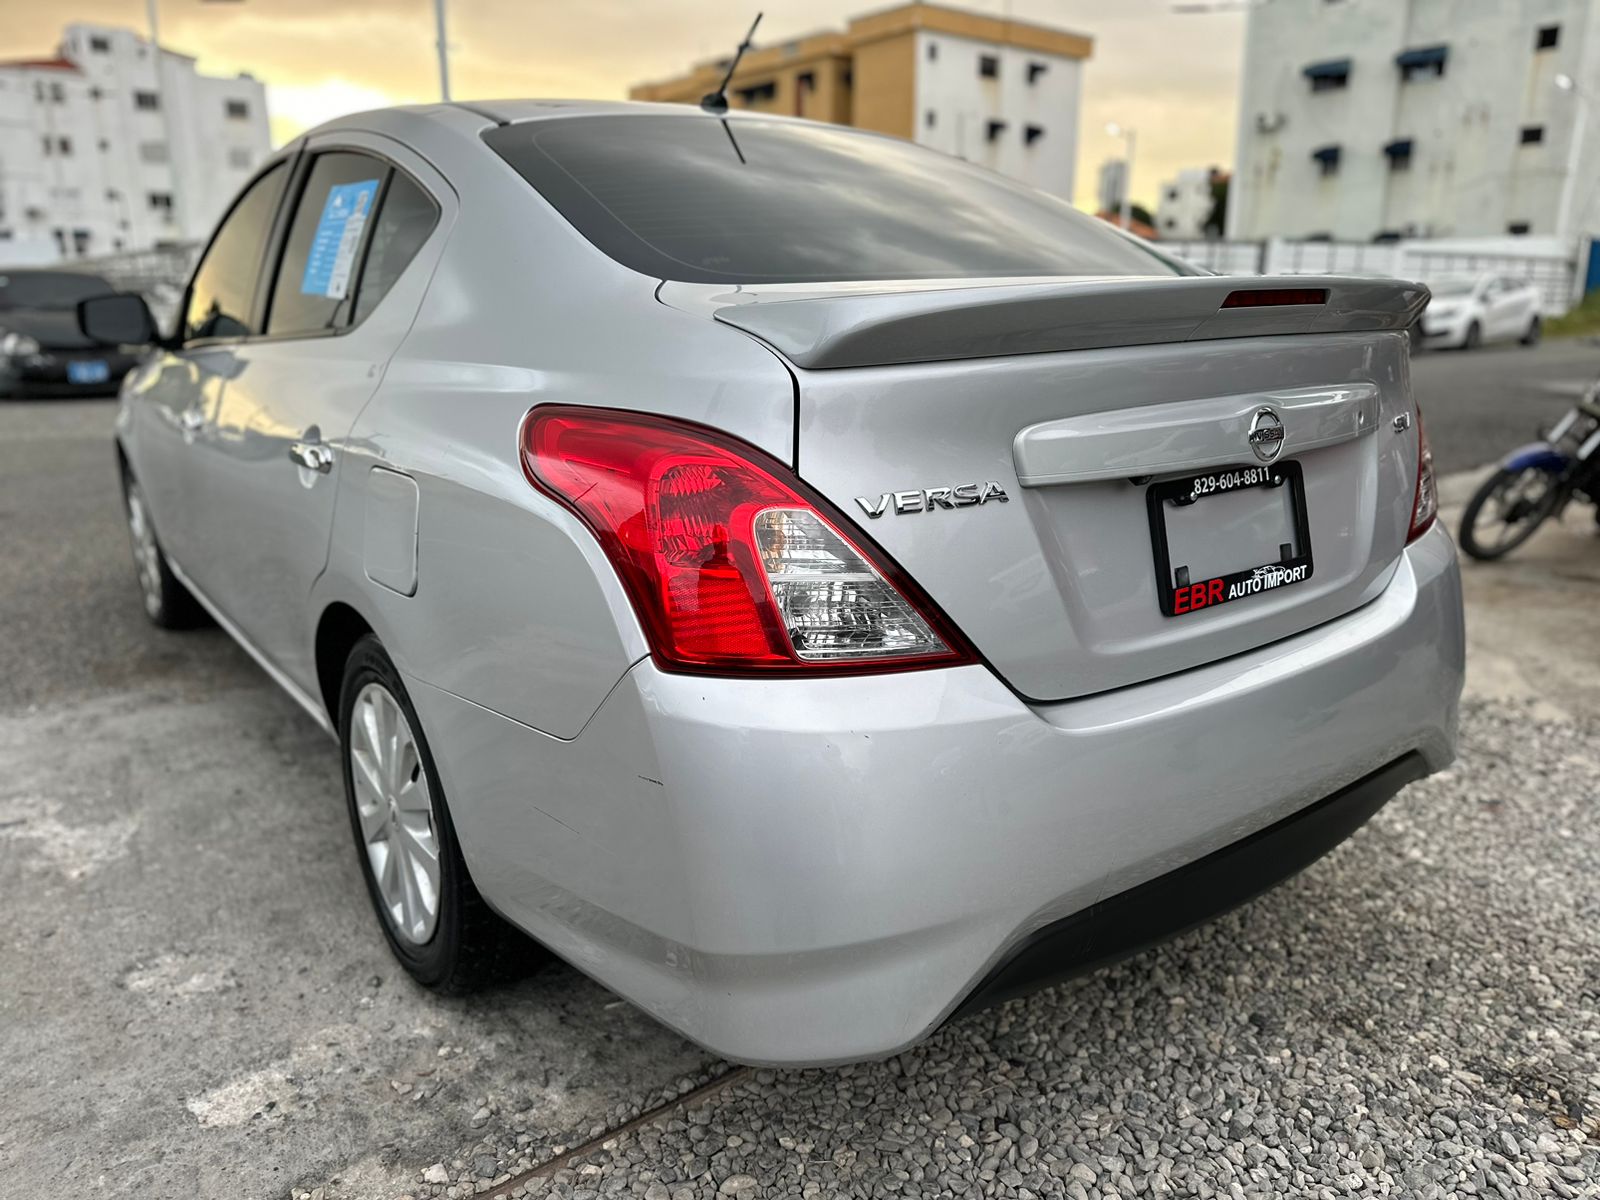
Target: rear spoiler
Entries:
(881, 328)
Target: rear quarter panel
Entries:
(515, 607)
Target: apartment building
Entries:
(115, 145)
(1001, 93)
(1363, 120)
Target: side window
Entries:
(224, 287)
(317, 277)
(404, 222)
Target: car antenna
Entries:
(717, 101)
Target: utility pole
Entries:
(1130, 138)
(443, 45)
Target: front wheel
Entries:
(166, 601)
(1474, 337)
(433, 918)
(1505, 510)
(1535, 331)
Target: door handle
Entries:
(313, 456)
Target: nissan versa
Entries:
(815, 586)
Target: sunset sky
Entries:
(1170, 76)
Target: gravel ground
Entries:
(1414, 1016)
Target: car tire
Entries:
(437, 925)
(167, 602)
(1535, 332)
(1474, 337)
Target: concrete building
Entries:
(1186, 203)
(1001, 93)
(1112, 184)
(1362, 120)
(113, 145)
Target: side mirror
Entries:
(117, 319)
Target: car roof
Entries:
(462, 114)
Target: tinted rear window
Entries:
(753, 201)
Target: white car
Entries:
(1468, 311)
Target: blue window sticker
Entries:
(333, 249)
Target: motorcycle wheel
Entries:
(1505, 510)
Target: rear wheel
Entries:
(166, 601)
(1535, 331)
(433, 918)
(1505, 510)
(1474, 337)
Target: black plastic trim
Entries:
(1153, 912)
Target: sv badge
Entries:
(963, 495)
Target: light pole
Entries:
(1129, 138)
(443, 45)
(1581, 98)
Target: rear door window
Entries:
(753, 200)
(316, 284)
(405, 219)
(222, 295)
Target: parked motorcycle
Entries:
(1536, 482)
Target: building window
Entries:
(58, 94)
(1036, 69)
(147, 101)
(154, 153)
(96, 94)
(930, 119)
(48, 144)
(160, 202)
(1518, 228)
(1169, 223)
(757, 93)
(239, 158)
(1426, 62)
(1329, 76)
(104, 146)
(1172, 193)
(1532, 135)
(1399, 154)
(933, 51)
(38, 91)
(99, 45)
(994, 130)
(1327, 159)
(1031, 134)
(1549, 37)
(988, 66)
(64, 147)
(238, 110)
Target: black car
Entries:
(42, 351)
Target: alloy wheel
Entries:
(396, 813)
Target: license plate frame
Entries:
(1179, 600)
(88, 371)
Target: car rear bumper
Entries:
(824, 870)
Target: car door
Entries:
(274, 453)
(1505, 309)
(175, 394)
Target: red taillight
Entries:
(732, 564)
(1272, 297)
(1425, 500)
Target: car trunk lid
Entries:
(1035, 468)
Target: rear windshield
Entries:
(754, 201)
(48, 289)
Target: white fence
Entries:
(1549, 263)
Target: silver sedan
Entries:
(811, 584)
